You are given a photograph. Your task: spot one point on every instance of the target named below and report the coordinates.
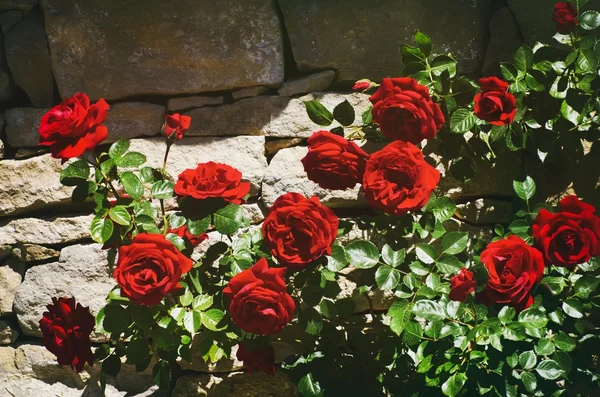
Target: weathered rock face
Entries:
(505, 39)
(22, 126)
(8, 19)
(177, 104)
(28, 57)
(236, 384)
(272, 147)
(48, 230)
(133, 119)
(11, 275)
(114, 50)
(249, 92)
(246, 153)
(485, 211)
(361, 40)
(81, 272)
(22, 5)
(9, 332)
(6, 82)
(34, 253)
(314, 82)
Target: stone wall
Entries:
(241, 70)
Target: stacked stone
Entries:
(222, 63)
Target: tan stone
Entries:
(11, 275)
(272, 147)
(303, 85)
(249, 92)
(48, 230)
(238, 384)
(9, 331)
(34, 253)
(133, 119)
(184, 103)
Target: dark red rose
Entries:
(261, 359)
(397, 179)
(176, 124)
(361, 85)
(298, 230)
(569, 237)
(461, 285)
(66, 329)
(334, 162)
(514, 269)
(73, 126)
(494, 104)
(565, 17)
(183, 232)
(212, 180)
(258, 299)
(149, 268)
(404, 110)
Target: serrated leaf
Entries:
(423, 42)
(506, 314)
(318, 113)
(177, 241)
(118, 148)
(230, 219)
(75, 173)
(387, 278)
(549, 369)
(452, 386)
(590, 20)
(192, 321)
(449, 264)
(337, 260)
(391, 257)
(162, 189)
(130, 160)
(426, 253)
(524, 58)
(455, 242)
(120, 215)
(564, 342)
(443, 209)
(362, 254)
(211, 319)
(554, 284)
(202, 302)
(529, 381)
(443, 63)
(429, 310)
(462, 120)
(132, 185)
(197, 227)
(585, 285)
(545, 347)
(526, 189)
(309, 387)
(344, 113)
(573, 308)
(101, 229)
(533, 318)
(399, 314)
(527, 359)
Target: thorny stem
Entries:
(104, 176)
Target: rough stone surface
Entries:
(26, 153)
(8, 19)
(254, 212)
(22, 126)
(11, 275)
(48, 230)
(81, 272)
(1, 149)
(113, 50)
(314, 82)
(505, 39)
(286, 174)
(238, 384)
(485, 211)
(361, 40)
(34, 253)
(249, 92)
(9, 331)
(177, 104)
(28, 57)
(6, 82)
(132, 119)
(21, 5)
(272, 147)
(246, 153)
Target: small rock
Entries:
(272, 147)
(253, 212)
(249, 92)
(505, 39)
(34, 253)
(9, 331)
(5, 251)
(47, 230)
(22, 126)
(236, 384)
(11, 275)
(8, 19)
(303, 85)
(134, 119)
(81, 272)
(28, 153)
(189, 102)
(286, 174)
(28, 58)
(22, 5)
(485, 211)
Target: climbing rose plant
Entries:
(420, 307)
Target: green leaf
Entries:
(162, 189)
(554, 284)
(429, 310)
(177, 241)
(413, 332)
(585, 285)
(192, 321)
(452, 386)
(112, 365)
(443, 209)
(202, 302)
(419, 269)
(367, 116)
(101, 229)
(462, 120)
(344, 113)
(197, 227)
(75, 173)
(318, 113)
(337, 260)
(362, 254)
(529, 381)
(120, 215)
(573, 308)
(230, 219)
(527, 359)
(162, 374)
(506, 314)
(399, 314)
(549, 369)
(455, 242)
(309, 387)
(176, 221)
(509, 71)
(132, 185)
(411, 54)
(448, 264)
(130, 160)
(512, 360)
(564, 342)
(186, 298)
(178, 313)
(212, 318)
(118, 148)
(533, 318)
(442, 63)
(391, 257)
(387, 278)
(116, 318)
(137, 351)
(526, 189)
(545, 347)
(101, 352)
(147, 174)
(589, 20)
(423, 42)
(425, 253)
(524, 58)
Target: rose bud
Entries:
(176, 124)
(461, 285)
(565, 17)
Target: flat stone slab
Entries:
(47, 230)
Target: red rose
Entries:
(397, 179)
(73, 126)
(149, 268)
(262, 359)
(183, 232)
(298, 230)
(66, 328)
(569, 237)
(514, 268)
(334, 162)
(259, 301)
(494, 104)
(361, 85)
(177, 124)
(461, 285)
(565, 17)
(212, 180)
(404, 110)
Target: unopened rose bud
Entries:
(176, 124)
(362, 85)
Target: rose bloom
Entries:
(397, 179)
(66, 328)
(183, 232)
(565, 17)
(261, 359)
(404, 110)
(212, 180)
(74, 126)
(514, 269)
(149, 268)
(569, 237)
(461, 285)
(258, 299)
(176, 124)
(494, 104)
(334, 162)
(299, 230)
